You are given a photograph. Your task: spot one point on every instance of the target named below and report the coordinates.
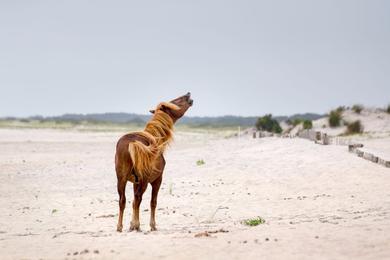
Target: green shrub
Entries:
(340, 109)
(307, 124)
(354, 127)
(357, 108)
(388, 109)
(267, 123)
(334, 118)
(296, 121)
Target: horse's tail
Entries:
(143, 158)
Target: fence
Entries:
(322, 138)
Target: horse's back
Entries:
(123, 162)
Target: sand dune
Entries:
(59, 200)
(374, 121)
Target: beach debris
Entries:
(85, 251)
(221, 230)
(203, 234)
(208, 233)
(106, 216)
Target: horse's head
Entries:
(175, 108)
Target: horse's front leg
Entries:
(139, 190)
(153, 202)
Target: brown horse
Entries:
(139, 157)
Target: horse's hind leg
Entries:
(153, 202)
(139, 190)
(122, 201)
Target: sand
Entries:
(59, 201)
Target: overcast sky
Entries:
(235, 57)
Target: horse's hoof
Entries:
(153, 229)
(132, 228)
(119, 229)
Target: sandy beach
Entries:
(59, 200)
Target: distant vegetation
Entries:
(335, 118)
(388, 109)
(267, 123)
(355, 127)
(307, 124)
(294, 122)
(357, 108)
(124, 120)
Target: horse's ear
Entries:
(168, 105)
(163, 106)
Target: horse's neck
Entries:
(160, 131)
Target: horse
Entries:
(139, 158)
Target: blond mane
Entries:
(159, 133)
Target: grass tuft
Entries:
(200, 162)
(170, 189)
(254, 221)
